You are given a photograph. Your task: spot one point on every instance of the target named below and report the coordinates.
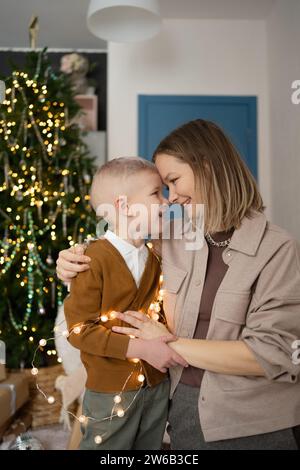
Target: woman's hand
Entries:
(71, 262)
(144, 327)
(156, 352)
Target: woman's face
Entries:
(178, 177)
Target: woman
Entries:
(234, 304)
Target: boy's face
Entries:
(145, 203)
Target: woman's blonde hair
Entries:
(227, 188)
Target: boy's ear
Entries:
(122, 205)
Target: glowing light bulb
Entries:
(120, 412)
(104, 318)
(65, 333)
(51, 400)
(98, 440)
(141, 378)
(82, 419)
(42, 342)
(117, 399)
(77, 330)
(34, 371)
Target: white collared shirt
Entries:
(135, 258)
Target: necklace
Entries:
(211, 241)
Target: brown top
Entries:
(109, 285)
(215, 272)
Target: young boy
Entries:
(125, 405)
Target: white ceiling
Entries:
(63, 22)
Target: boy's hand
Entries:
(71, 262)
(144, 327)
(156, 352)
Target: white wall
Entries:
(205, 57)
(283, 30)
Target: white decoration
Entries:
(73, 384)
(70, 356)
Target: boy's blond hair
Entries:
(113, 178)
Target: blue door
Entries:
(236, 115)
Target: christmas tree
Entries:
(44, 202)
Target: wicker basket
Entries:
(42, 412)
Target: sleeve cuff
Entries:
(272, 372)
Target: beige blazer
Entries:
(257, 302)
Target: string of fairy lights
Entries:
(119, 409)
(30, 156)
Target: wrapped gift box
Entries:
(14, 393)
(2, 372)
(5, 405)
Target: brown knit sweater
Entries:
(109, 285)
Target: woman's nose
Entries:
(172, 197)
